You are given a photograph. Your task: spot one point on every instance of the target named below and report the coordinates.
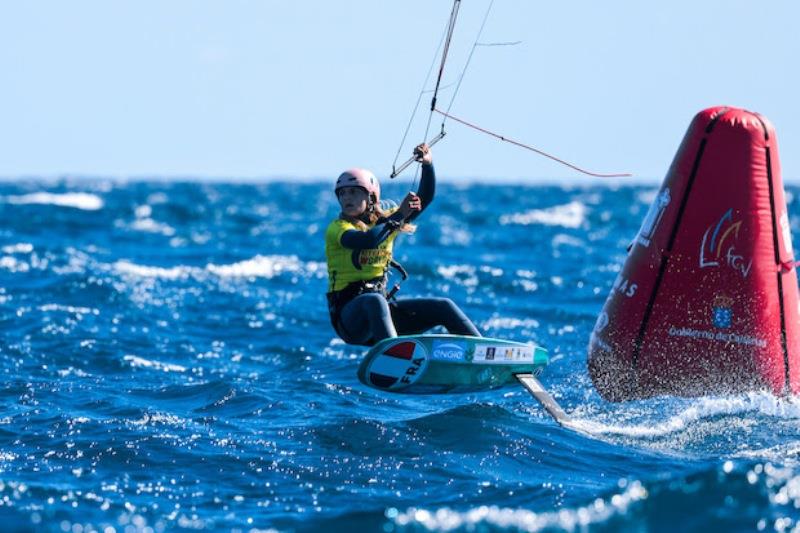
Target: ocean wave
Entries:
(219, 357)
(500, 322)
(77, 200)
(258, 267)
(7, 457)
(148, 225)
(453, 232)
(480, 518)
(762, 403)
(269, 266)
(158, 419)
(69, 309)
(567, 240)
(571, 215)
(140, 362)
(464, 275)
(172, 273)
(13, 264)
(31, 261)
(19, 248)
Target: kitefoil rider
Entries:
(358, 247)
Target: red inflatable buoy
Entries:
(707, 301)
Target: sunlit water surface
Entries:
(167, 364)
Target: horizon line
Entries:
(461, 180)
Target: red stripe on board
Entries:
(403, 350)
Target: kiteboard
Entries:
(439, 364)
(434, 364)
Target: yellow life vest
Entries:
(346, 265)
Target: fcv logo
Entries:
(719, 245)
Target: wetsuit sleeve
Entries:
(427, 187)
(426, 191)
(365, 240)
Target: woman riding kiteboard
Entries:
(358, 248)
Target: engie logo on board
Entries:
(449, 351)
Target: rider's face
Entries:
(353, 200)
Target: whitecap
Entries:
(570, 215)
(786, 453)
(152, 419)
(461, 274)
(566, 240)
(510, 323)
(19, 248)
(78, 200)
(597, 512)
(71, 371)
(12, 264)
(526, 284)
(492, 271)
(173, 273)
(140, 362)
(143, 211)
(266, 267)
(149, 225)
(258, 267)
(705, 408)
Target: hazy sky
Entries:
(250, 89)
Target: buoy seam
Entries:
(637, 347)
(775, 245)
(763, 126)
(665, 254)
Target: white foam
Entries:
(19, 248)
(266, 267)
(143, 211)
(464, 275)
(526, 284)
(786, 453)
(70, 371)
(570, 215)
(173, 273)
(151, 226)
(566, 240)
(599, 511)
(761, 402)
(510, 323)
(258, 267)
(158, 418)
(78, 200)
(12, 264)
(140, 362)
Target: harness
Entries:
(338, 299)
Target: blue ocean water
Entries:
(167, 364)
